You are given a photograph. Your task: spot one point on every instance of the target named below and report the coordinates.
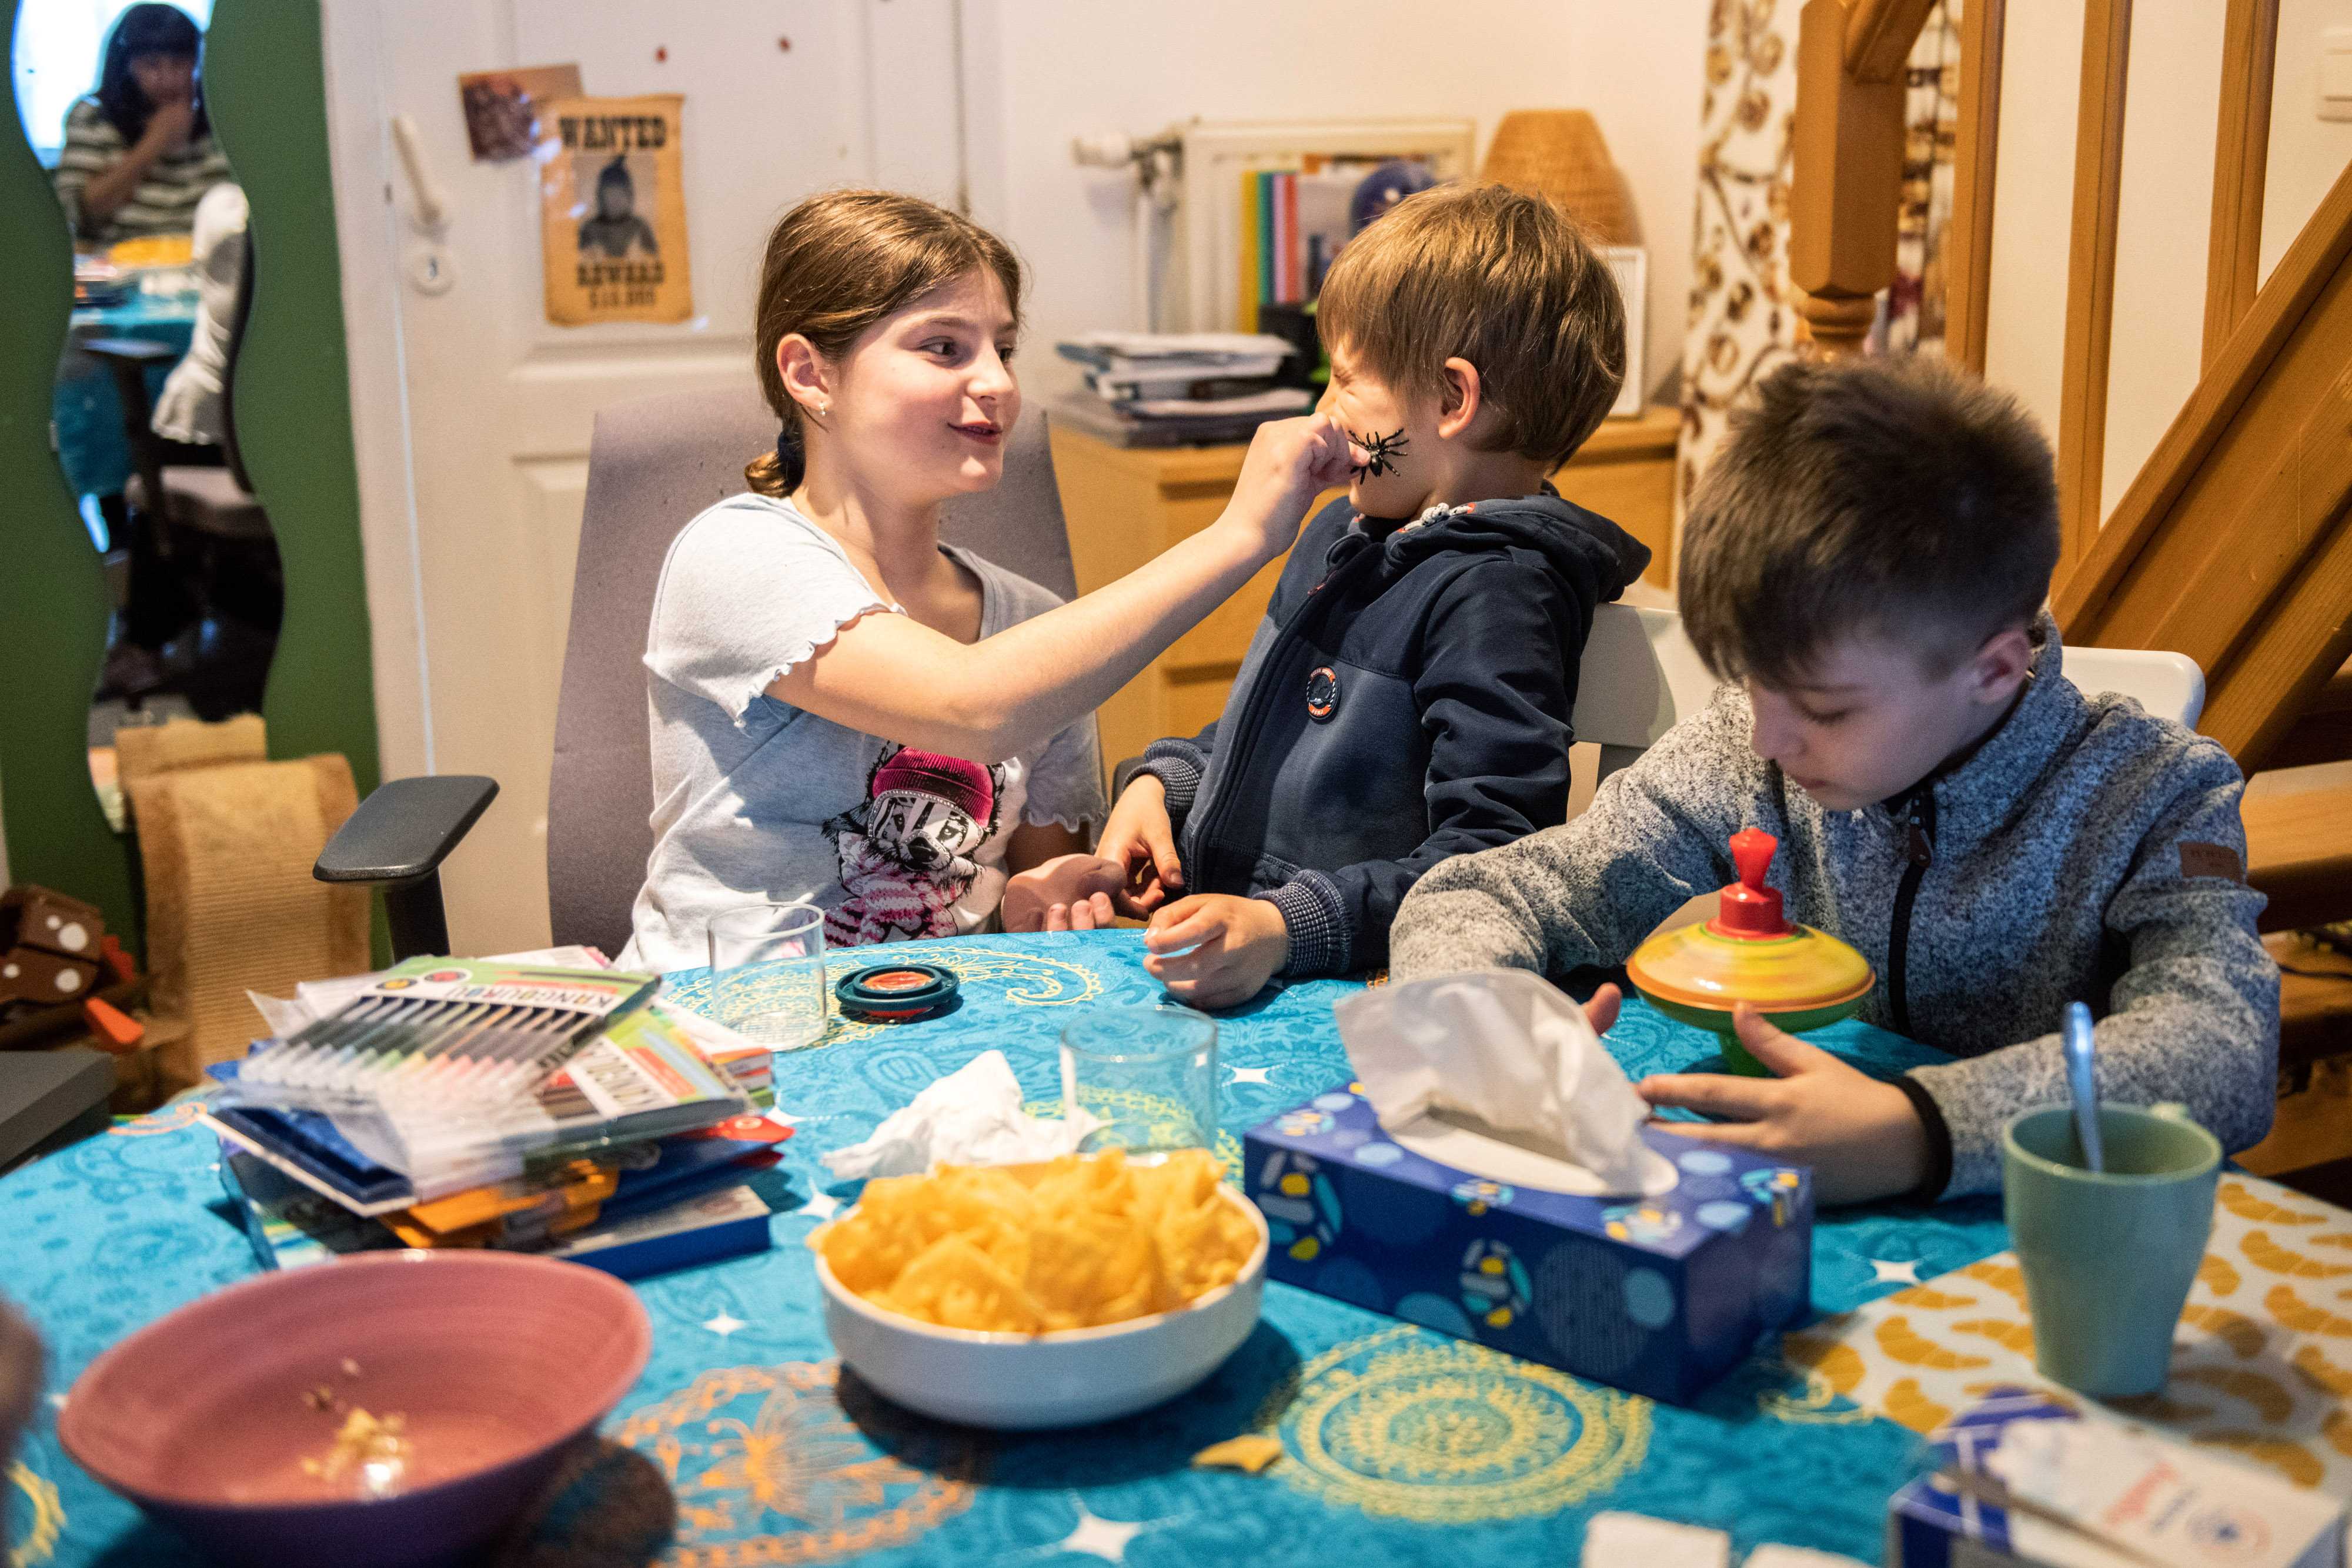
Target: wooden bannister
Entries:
(2234, 544)
(1853, 72)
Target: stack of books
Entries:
(1156, 389)
(517, 1104)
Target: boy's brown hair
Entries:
(1499, 278)
(842, 260)
(1894, 497)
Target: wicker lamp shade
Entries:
(1560, 152)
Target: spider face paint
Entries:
(1380, 453)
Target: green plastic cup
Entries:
(2108, 1256)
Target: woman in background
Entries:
(139, 152)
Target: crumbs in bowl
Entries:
(373, 1446)
(1079, 1242)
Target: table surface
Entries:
(1395, 1437)
(83, 406)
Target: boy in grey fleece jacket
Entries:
(1865, 565)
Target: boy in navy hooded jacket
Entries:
(1407, 696)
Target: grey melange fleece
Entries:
(2055, 874)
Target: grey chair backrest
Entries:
(651, 467)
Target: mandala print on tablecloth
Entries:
(1402, 1424)
(36, 1522)
(2262, 1362)
(1021, 979)
(773, 1465)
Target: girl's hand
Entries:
(1069, 892)
(1861, 1136)
(1235, 946)
(1290, 462)
(171, 123)
(1140, 838)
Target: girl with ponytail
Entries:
(848, 711)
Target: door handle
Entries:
(431, 210)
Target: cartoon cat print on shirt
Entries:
(906, 852)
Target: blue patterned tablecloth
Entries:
(1402, 1446)
(85, 411)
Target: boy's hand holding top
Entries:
(1866, 564)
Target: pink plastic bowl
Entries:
(497, 1362)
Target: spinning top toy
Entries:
(896, 991)
(1799, 977)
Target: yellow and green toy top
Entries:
(1799, 977)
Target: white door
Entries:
(472, 411)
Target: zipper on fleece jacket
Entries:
(1919, 852)
(1252, 718)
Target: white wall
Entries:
(1040, 72)
(2164, 224)
(2307, 153)
(2162, 230)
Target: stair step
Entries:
(2323, 733)
(2315, 1005)
(2299, 852)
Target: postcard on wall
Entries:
(501, 107)
(612, 207)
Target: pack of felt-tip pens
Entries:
(453, 1070)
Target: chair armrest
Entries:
(402, 832)
(131, 350)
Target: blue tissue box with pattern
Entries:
(1655, 1295)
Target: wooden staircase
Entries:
(2233, 544)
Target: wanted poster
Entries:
(613, 210)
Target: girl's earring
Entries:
(822, 409)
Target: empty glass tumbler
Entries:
(767, 972)
(1149, 1073)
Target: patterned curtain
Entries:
(1742, 323)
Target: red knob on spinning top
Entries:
(1751, 911)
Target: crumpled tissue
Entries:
(1500, 1073)
(971, 1117)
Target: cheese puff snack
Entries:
(1072, 1243)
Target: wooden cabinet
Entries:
(1126, 506)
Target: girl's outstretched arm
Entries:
(892, 676)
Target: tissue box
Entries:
(2120, 1499)
(1656, 1295)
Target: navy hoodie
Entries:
(1406, 698)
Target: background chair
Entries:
(1641, 676)
(199, 539)
(224, 849)
(651, 467)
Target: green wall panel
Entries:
(53, 604)
(266, 88)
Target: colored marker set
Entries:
(446, 1030)
(453, 1070)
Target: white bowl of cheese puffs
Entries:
(1054, 1294)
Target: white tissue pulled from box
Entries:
(1618, 1540)
(2149, 1499)
(971, 1117)
(1500, 1073)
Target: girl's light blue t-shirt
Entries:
(753, 797)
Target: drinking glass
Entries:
(1149, 1073)
(767, 972)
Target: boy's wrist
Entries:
(1935, 1171)
(1316, 940)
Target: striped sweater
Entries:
(164, 202)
